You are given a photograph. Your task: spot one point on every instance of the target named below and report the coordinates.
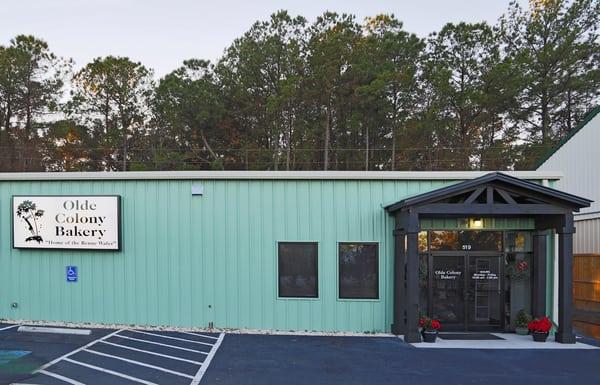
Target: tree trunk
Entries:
(106, 153)
(545, 118)
(327, 137)
(28, 112)
(288, 157)
(367, 148)
(394, 128)
(393, 149)
(125, 123)
(9, 150)
(275, 144)
(209, 148)
(124, 149)
(569, 112)
(8, 117)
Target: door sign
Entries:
(447, 274)
(484, 275)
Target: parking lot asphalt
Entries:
(291, 360)
(125, 356)
(40, 347)
(133, 356)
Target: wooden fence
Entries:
(586, 294)
(586, 282)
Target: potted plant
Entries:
(540, 328)
(522, 322)
(429, 328)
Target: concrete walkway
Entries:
(508, 341)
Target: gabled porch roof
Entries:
(495, 193)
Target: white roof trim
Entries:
(587, 216)
(271, 175)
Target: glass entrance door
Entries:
(465, 291)
(484, 292)
(447, 290)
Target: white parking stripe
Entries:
(198, 335)
(118, 374)
(149, 352)
(171, 338)
(62, 378)
(76, 351)
(8, 327)
(158, 343)
(139, 363)
(204, 367)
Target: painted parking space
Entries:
(40, 347)
(130, 356)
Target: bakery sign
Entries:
(82, 222)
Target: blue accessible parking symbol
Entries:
(71, 273)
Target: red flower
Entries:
(540, 325)
(427, 323)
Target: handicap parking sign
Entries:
(71, 273)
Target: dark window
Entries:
(465, 240)
(473, 240)
(518, 241)
(423, 241)
(298, 269)
(359, 271)
(444, 240)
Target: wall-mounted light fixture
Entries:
(475, 223)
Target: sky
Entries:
(161, 34)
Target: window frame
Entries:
(317, 276)
(378, 272)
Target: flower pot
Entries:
(429, 335)
(539, 336)
(522, 330)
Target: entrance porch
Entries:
(465, 278)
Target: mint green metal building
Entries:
(299, 251)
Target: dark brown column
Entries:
(564, 333)
(411, 333)
(398, 327)
(539, 273)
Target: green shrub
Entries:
(523, 318)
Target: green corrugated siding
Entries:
(190, 260)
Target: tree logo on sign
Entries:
(30, 214)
